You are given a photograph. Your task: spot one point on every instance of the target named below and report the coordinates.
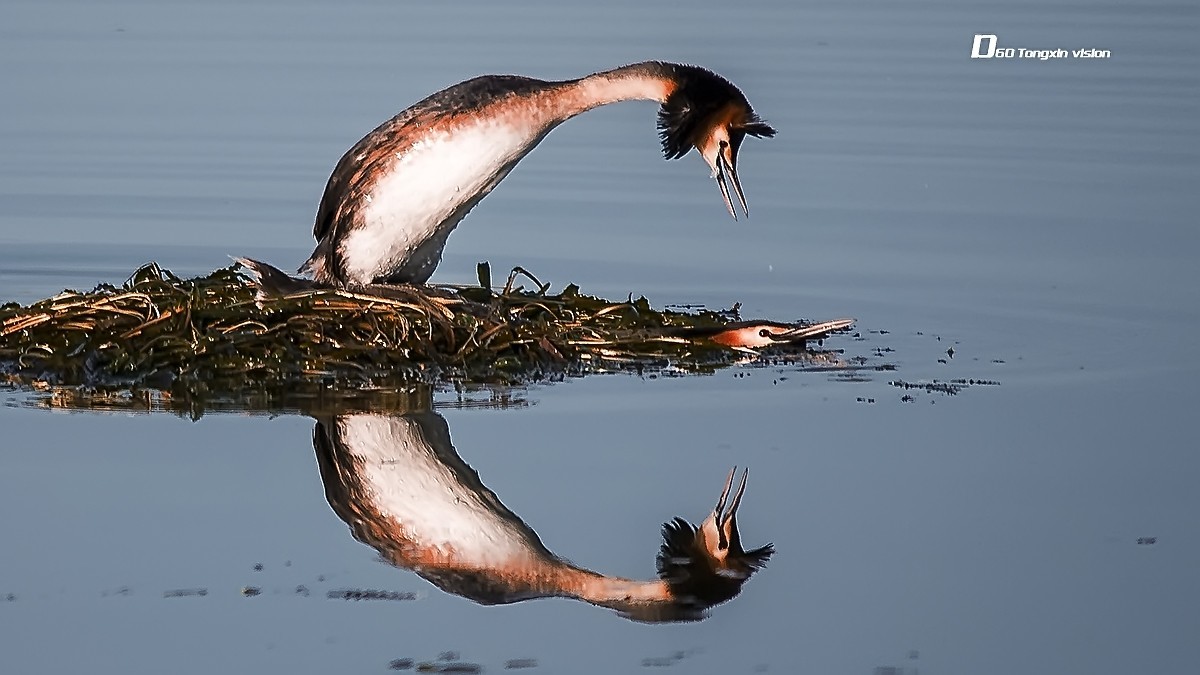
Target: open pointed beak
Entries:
(810, 331)
(727, 174)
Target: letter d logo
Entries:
(977, 52)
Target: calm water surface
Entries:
(1039, 217)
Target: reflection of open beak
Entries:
(726, 519)
(726, 174)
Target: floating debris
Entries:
(400, 664)
(665, 661)
(518, 664)
(1147, 541)
(361, 594)
(948, 387)
(429, 667)
(460, 667)
(251, 591)
(185, 593)
(162, 341)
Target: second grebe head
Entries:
(760, 333)
(755, 334)
(707, 112)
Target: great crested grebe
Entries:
(399, 484)
(759, 333)
(395, 197)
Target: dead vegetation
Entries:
(206, 340)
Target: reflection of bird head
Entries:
(706, 565)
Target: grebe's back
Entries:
(395, 197)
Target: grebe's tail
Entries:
(272, 282)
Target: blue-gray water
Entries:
(1038, 216)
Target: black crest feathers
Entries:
(692, 575)
(700, 96)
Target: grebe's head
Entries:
(760, 333)
(706, 565)
(755, 334)
(707, 112)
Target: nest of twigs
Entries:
(209, 338)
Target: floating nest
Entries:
(200, 342)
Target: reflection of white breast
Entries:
(435, 504)
(427, 191)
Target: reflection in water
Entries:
(402, 488)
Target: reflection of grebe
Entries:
(394, 197)
(402, 488)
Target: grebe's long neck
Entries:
(607, 591)
(652, 601)
(647, 81)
